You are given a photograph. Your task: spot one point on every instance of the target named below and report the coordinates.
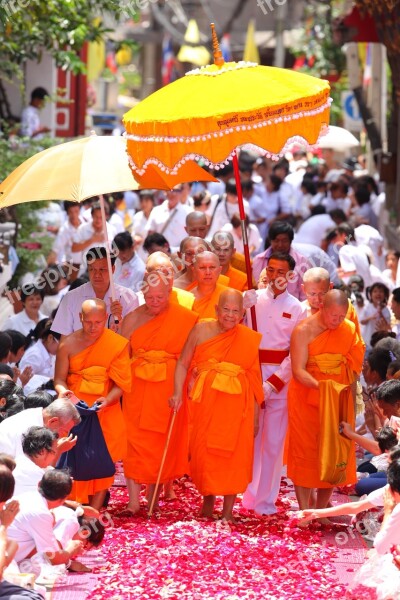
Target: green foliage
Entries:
(59, 26)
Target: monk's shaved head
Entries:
(195, 218)
(232, 296)
(158, 259)
(316, 275)
(93, 304)
(155, 279)
(207, 256)
(335, 297)
(223, 239)
(194, 241)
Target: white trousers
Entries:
(263, 491)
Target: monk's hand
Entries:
(69, 395)
(104, 403)
(346, 430)
(175, 402)
(249, 299)
(116, 310)
(65, 444)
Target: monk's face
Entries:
(263, 280)
(333, 315)
(207, 270)
(315, 292)
(223, 249)
(93, 322)
(163, 271)
(190, 250)
(98, 275)
(197, 228)
(156, 298)
(229, 313)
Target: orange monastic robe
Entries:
(155, 349)
(205, 307)
(237, 279)
(182, 297)
(222, 411)
(351, 315)
(333, 358)
(92, 373)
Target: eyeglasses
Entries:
(176, 191)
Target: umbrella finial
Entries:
(218, 58)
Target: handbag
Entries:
(89, 458)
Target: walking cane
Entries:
(162, 463)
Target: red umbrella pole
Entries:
(244, 235)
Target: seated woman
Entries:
(40, 355)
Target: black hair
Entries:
(367, 181)
(393, 476)
(378, 360)
(348, 230)
(275, 181)
(389, 391)
(386, 439)
(18, 340)
(30, 290)
(41, 332)
(98, 253)
(393, 367)
(283, 163)
(38, 399)
(337, 214)
(394, 453)
(309, 186)
(5, 345)
(6, 370)
(55, 484)
(247, 185)
(200, 198)
(279, 227)
(155, 239)
(77, 283)
(377, 336)
(39, 93)
(7, 461)
(68, 204)
(318, 209)
(51, 277)
(230, 187)
(396, 294)
(37, 439)
(284, 257)
(7, 483)
(340, 185)
(362, 195)
(224, 171)
(123, 240)
(378, 285)
(91, 530)
(357, 280)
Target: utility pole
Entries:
(280, 26)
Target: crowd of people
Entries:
(183, 364)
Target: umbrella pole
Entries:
(244, 234)
(109, 265)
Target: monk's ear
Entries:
(81, 317)
(331, 285)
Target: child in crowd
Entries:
(376, 315)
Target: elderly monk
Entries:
(190, 247)
(157, 332)
(316, 284)
(223, 246)
(206, 289)
(93, 363)
(224, 401)
(158, 262)
(196, 224)
(327, 356)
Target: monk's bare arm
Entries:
(112, 397)
(299, 357)
(182, 367)
(61, 369)
(128, 325)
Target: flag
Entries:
(251, 53)
(192, 52)
(168, 61)
(225, 47)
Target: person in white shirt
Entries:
(266, 204)
(41, 355)
(67, 319)
(32, 528)
(61, 251)
(338, 197)
(169, 218)
(129, 268)
(139, 221)
(26, 320)
(277, 312)
(30, 119)
(395, 307)
(39, 446)
(376, 315)
(315, 228)
(60, 416)
(227, 205)
(253, 236)
(91, 234)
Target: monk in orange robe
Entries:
(207, 290)
(224, 402)
(189, 249)
(93, 363)
(224, 247)
(157, 331)
(327, 356)
(160, 262)
(317, 283)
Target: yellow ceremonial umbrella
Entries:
(211, 111)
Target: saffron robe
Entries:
(182, 297)
(237, 279)
(92, 373)
(314, 414)
(156, 347)
(205, 307)
(222, 399)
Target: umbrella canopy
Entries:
(338, 139)
(81, 169)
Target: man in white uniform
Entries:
(129, 267)
(92, 234)
(61, 251)
(39, 445)
(67, 318)
(227, 205)
(169, 218)
(277, 312)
